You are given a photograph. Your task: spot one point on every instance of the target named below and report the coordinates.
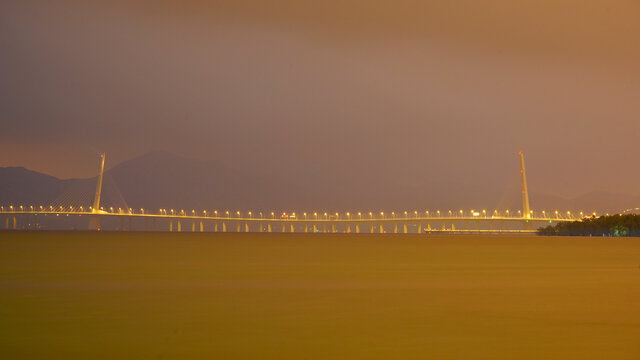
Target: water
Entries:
(291, 296)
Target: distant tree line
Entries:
(614, 225)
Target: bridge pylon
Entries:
(526, 210)
(94, 224)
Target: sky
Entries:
(414, 92)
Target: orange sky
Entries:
(329, 91)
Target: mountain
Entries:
(163, 180)
(21, 186)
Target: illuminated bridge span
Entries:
(461, 221)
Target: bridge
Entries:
(434, 222)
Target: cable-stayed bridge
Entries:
(77, 202)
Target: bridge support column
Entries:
(371, 230)
(333, 228)
(315, 228)
(419, 228)
(170, 225)
(224, 226)
(306, 227)
(215, 226)
(201, 226)
(179, 225)
(405, 228)
(238, 227)
(395, 228)
(348, 228)
(246, 227)
(269, 227)
(357, 228)
(6, 223)
(283, 229)
(15, 222)
(193, 226)
(293, 228)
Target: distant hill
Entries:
(21, 186)
(163, 180)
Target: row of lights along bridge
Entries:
(316, 216)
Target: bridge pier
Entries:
(357, 228)
(224, 226)
(315, 228)
(179, 225)
(269, 227)
(292, 228)
(405, 228)
(170, 225)
(246, 227)
(333, 228)
(6, 223)
(306, 227)
(381, 229)
(193, 226)
(395, 228)
(201, 226)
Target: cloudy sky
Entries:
(417, 92)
